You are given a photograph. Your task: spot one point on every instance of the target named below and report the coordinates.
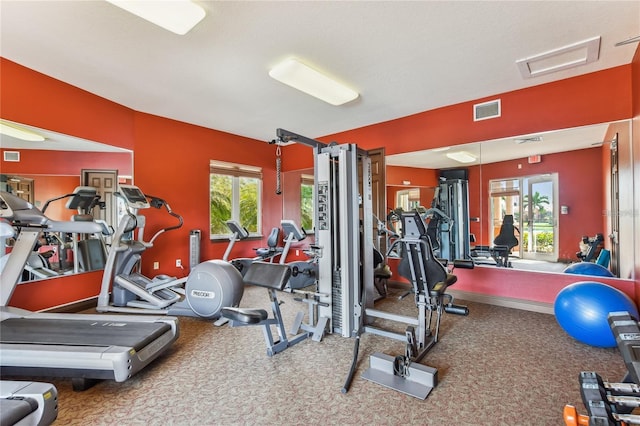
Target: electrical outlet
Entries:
(178, 263)
(156, 265)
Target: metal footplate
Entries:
(418, 380)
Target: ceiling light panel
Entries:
(19, 132)
(461, 156)
(304, 78)
(177, 16)
(566, 57)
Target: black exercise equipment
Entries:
(609, 403)
(239, 233)
(430, 281)
(590, 247)
(503, 244)
(505, 241)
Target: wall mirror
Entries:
(556, 185)
(42, 170)
(297, 197)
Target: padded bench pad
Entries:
(269, 275)
(245, 316)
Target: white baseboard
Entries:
(507, 302)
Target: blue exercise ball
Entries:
(582, 309)
(588, 268)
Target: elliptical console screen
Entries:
(135, 198)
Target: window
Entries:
(408, 199)
(306, 202)
(235, 194)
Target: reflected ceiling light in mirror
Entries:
(444, 148)
(461, 156)
(177, 16)
(528, 139)
(19, 132)
(295, 74)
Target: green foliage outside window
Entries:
(249, 203)
(221, 196)
(306, 206)
(225, 204)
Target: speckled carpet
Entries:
(498, 366)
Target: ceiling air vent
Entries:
(486, 110)
(12, 156)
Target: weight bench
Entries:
(273, 277)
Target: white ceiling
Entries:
(402, 57)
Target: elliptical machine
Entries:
(211, 285)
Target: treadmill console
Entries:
(290, 228)
(134, 197)
(83, 198)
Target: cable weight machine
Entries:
(345, 286)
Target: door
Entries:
(21, 187)
(539, 223)
(378, 194)
(106, 182)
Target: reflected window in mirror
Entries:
(306, 201)
(408, 199)
(531, 201)
(235, 194)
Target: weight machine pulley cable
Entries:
(278, 170)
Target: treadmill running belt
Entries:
(136, 335)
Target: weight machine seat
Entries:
(245, 316)
(272, 244)
(417, 255)
(272, 276)
(507, 236)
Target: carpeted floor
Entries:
(498, 366)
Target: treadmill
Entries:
(28, 403)
(84, 347)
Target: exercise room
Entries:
(319, 212)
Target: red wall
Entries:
(171, 158)
(38, 100)
(172, 161)
(551, 106)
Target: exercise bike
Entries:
(210, 286)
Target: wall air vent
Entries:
(486, 110)
(13, 156)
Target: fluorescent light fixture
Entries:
(461, 156)
(299, 76)
(177, 16)
(19, 132)
(566, 57)
(444, 148)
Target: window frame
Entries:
(236, 172)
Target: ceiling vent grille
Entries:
(571, 56)
(486, 110)
(13, 156)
